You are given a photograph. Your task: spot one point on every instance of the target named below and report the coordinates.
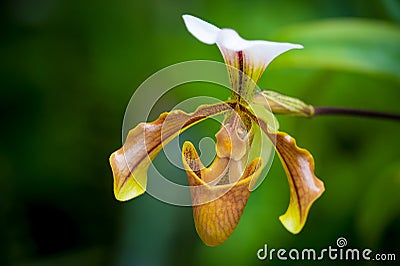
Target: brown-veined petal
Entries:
(131, 162)
(216, 208)
(305, 187)
(298, 163)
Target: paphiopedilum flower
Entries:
(220, 192)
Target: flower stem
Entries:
(326, 110)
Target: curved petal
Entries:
(305, 187)
(249, 57)
(131, 162)
(298, 163)
(216, 219)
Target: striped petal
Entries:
(130, 163)
(305, 187)
(249, 57)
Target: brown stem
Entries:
(326, 110)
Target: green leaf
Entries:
(358, 45)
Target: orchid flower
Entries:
(220, 192)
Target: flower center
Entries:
(233, 144)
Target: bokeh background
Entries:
(69, 68)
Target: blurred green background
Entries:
(69, 68)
